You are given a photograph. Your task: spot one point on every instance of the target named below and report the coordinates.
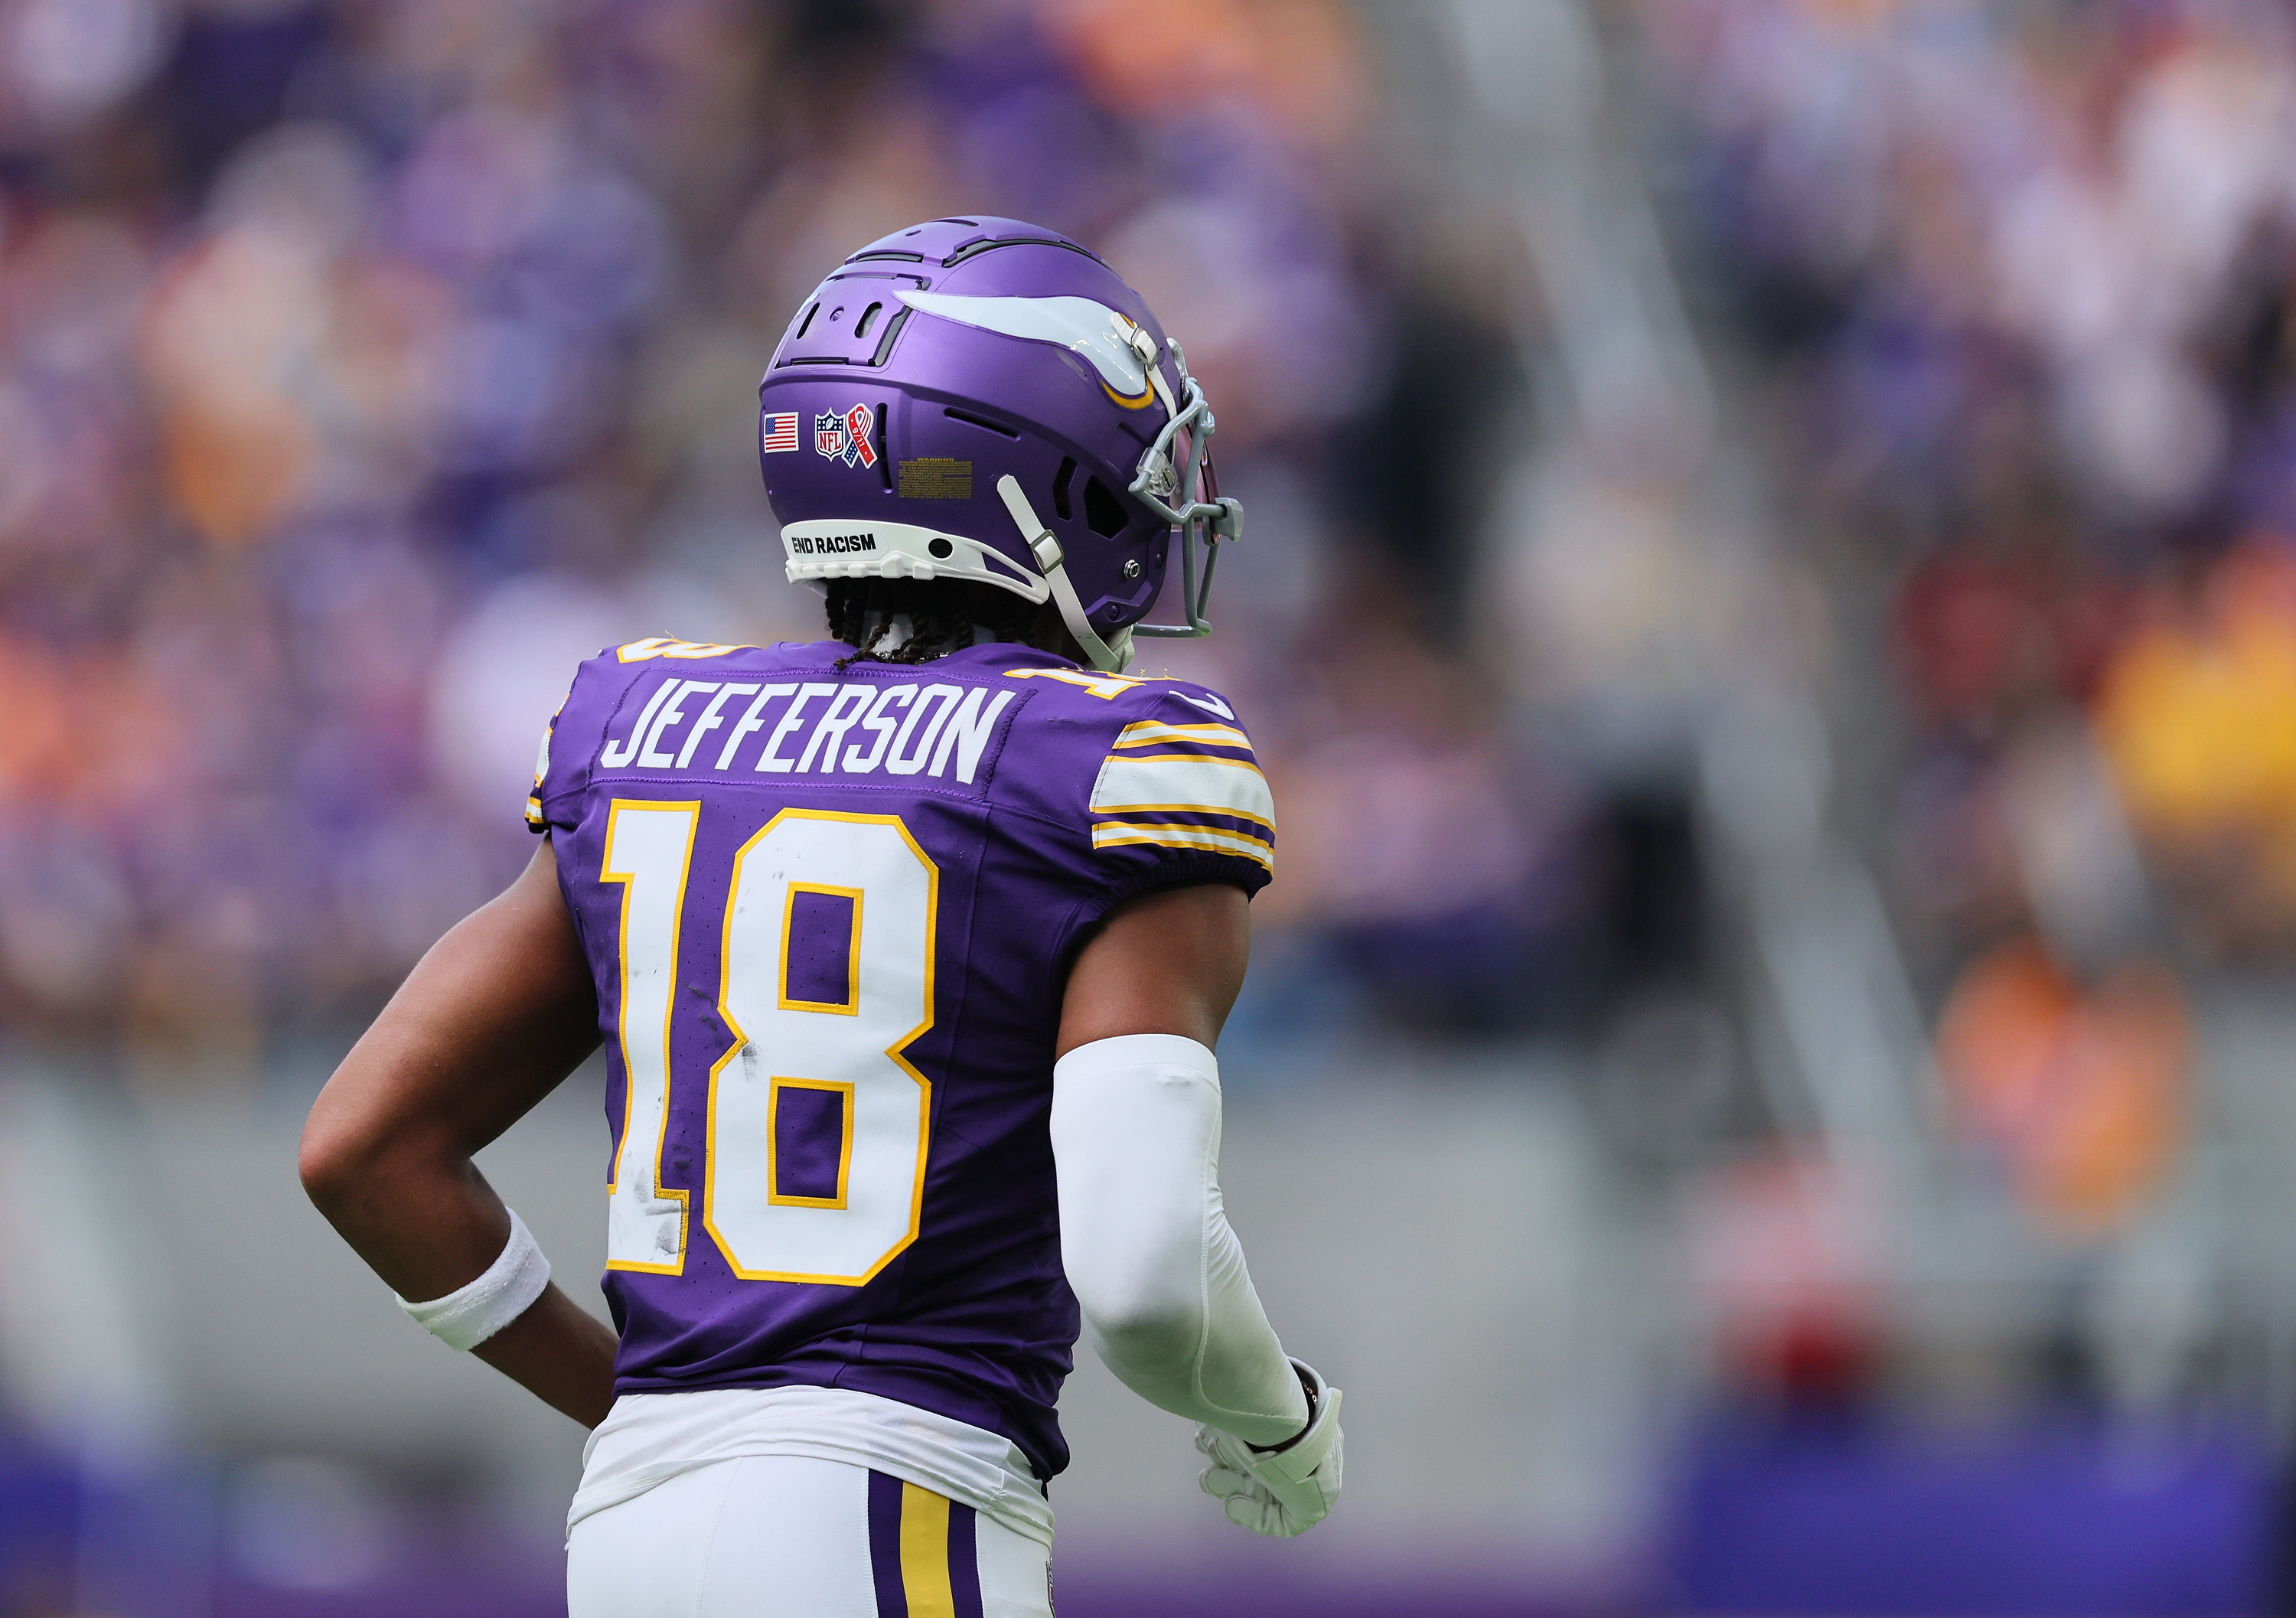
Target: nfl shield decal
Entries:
(845, 437)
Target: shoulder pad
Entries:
(1109, 687)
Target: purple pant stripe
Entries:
(963, 1562)
(885, 1544)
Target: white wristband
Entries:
(469, 1315)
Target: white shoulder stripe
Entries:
(1212, 786)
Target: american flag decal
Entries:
(777, 434)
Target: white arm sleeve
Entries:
(1159, 1274)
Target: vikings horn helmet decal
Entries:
(991, 402)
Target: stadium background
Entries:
(1769, 605)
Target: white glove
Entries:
(1279, 1492)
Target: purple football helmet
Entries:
(985, 400)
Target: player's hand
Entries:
(1278, 1492)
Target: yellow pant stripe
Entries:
(925, 1553)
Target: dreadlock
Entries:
(942, 616)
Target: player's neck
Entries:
(886, 637)
(1048, 632)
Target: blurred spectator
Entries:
(1449, 884)
(1785, 1254)
(2199, 710)
(2076, 1091)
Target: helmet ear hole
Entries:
(1103, 512)
(1060, 488)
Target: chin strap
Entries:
(1109, 656)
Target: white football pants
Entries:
(781, 1536)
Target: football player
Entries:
(909, 948)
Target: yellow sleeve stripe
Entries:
(1201, 838)
(1189, 809)
(1150, 824)
(534, 811)
(1147, 732)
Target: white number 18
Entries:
(770, 1224)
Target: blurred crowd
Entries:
(2021, 281)
(364, 366)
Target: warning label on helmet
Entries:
(936, 477)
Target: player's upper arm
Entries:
(1169, 962)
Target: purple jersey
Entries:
(830, 917)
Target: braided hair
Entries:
(940, 616)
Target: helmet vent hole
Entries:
(805, 325)
(1060, 488)
(868, 318)
(970, 419)
(1103, 512)
(885, 343)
